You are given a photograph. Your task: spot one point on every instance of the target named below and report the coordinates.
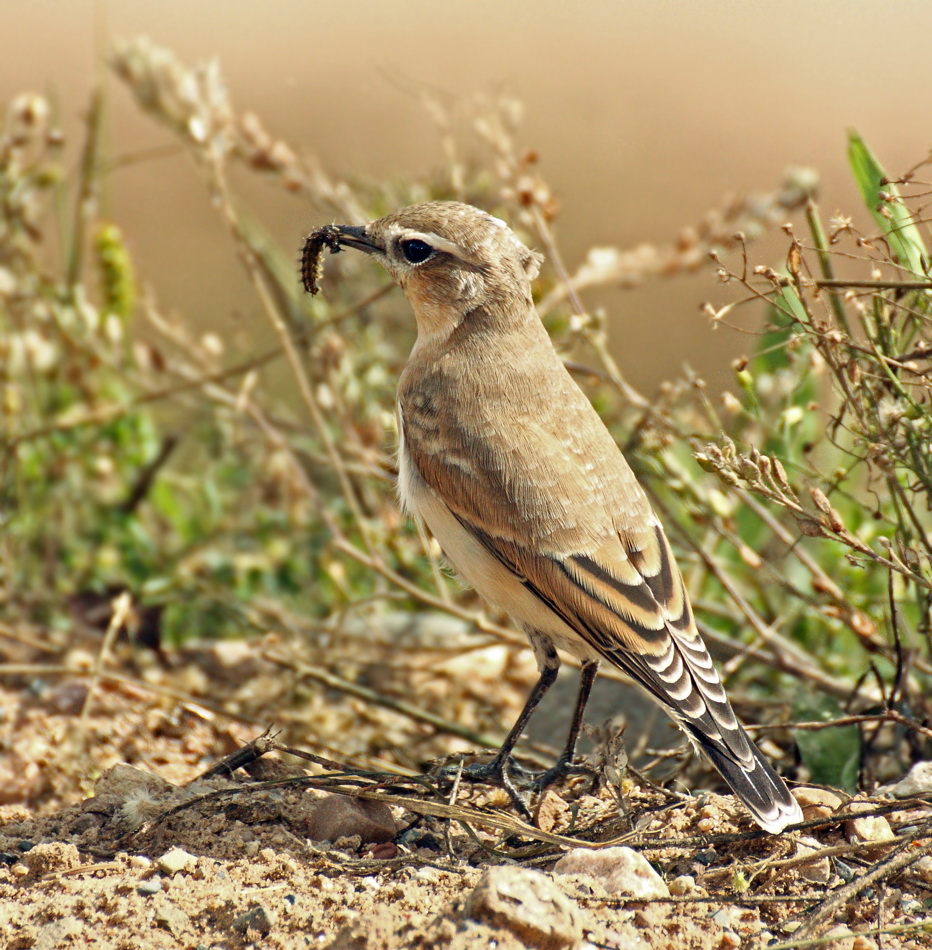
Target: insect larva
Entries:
(312, 255)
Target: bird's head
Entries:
(450, 259)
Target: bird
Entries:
(505, 460)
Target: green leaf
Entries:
(896, 222)
(832, 755)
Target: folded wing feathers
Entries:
(615, 609)
(662, 650)
(661, 647)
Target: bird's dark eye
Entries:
(415, 251)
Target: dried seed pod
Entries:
(312, 255)
(821, 502)
(810, 528)
(748, 470)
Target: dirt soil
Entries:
(117, 832)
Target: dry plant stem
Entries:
(121, 608)
(553, 252)
(730, 647)
(827, 585)
(753, 870)
(109, 413)
(830, 942)
(243, 756)
(889, 716)
(435, 569)
(556, 258)
(902, 857)
(218, 181)
(833, 531)
(33, 642)
(752, 900)
(876, 284)
(825, 261)
(84, 207)
(451, 800)
(341, 770)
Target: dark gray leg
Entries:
(503, 771)
(564, 765)
(496, 771)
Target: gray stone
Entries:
(167, 915)
(527, 904)
(619, 870)
(916, 783)
(256, 919)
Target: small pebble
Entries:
(845, 871)
(255, 919)
(819, 869)
(817, 802)
(176, 860)
(683, 885)
(149, 887)
(876, 828)
(528, 905)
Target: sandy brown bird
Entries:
(504, 459)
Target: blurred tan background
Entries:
(645, 114)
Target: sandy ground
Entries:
(114, 833)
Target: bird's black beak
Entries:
(352, 235)
(334, 237)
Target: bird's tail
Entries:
(763, 792)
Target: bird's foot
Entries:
(517, 781)
(501, 772)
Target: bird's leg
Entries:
(497, 771)
(564, 765)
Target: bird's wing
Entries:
(570, 521)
